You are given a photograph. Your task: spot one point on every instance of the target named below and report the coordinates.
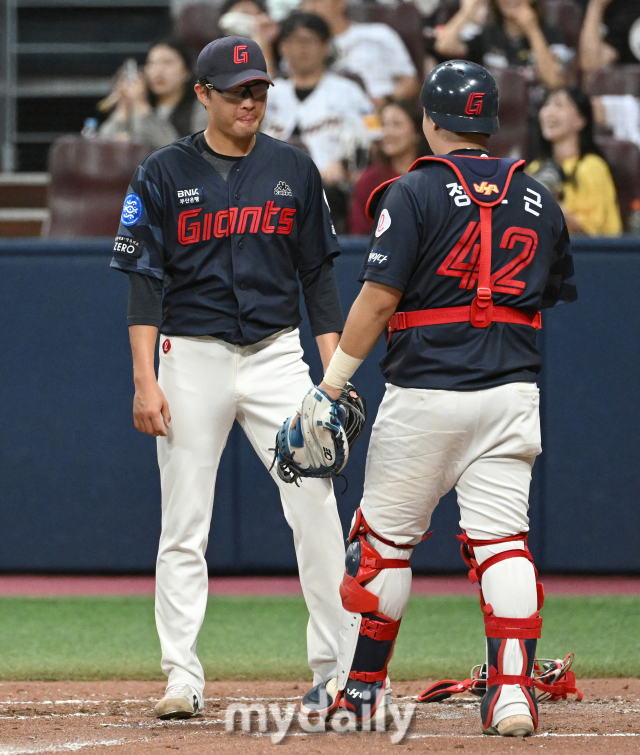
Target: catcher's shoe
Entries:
(512, 726)
(180, 701)
(325, 699)
(322, 700)
(369, 703)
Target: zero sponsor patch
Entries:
(384, 223)
(132, 210)
(190, 196)
(378, 259)
(128, 246)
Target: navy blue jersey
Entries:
(228, 252)
(426, 244)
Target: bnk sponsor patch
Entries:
(378, 259)
(128, 246)
(190, 196)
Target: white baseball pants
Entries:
(425, 442)
(209, 384)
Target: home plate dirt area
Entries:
(116, 717)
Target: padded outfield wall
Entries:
(79, 488)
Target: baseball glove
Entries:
(316, 441)
(355, 408)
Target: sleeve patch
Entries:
(128, 246)
(384, 223)
(377, 259)
(132, 210)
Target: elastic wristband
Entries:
(341, 369)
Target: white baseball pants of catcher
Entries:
(483, 443)
(209, 384)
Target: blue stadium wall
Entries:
(79, 488)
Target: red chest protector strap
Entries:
(482, 312)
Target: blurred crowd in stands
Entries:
(347, 78)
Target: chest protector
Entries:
(476, 183)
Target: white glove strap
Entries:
(341, 369)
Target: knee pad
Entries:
(369, 637)
(500, 629)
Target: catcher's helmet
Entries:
(461, 96)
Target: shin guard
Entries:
(368, 646)
(499, 630)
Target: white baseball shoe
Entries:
(512, 726)
(180, 701)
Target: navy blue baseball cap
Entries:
(230, 61)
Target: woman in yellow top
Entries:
(588, 194)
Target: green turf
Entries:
(254, 638)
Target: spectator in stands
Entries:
(250, 18)
(374, 52)
(515, 36)
(402, 143)
(610, 34)
(589, 199)
(158, 105)
(325, 112)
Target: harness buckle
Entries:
(484, 296)
(482, 309)
(398, 322)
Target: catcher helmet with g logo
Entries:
(461, 96)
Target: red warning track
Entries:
(49, 586)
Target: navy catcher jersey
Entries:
(228, 252)
(426, 244)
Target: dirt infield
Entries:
(116, 717)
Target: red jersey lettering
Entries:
(234, 221)
(189, 234)
(286, 221)
(255, 213)
(269, 212)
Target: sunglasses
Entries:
(257, 91)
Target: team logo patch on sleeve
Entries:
(378, 259)
(128, 246)
(190, 196)
(132, 210)
(384, 223)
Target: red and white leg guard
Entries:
(372, 616)
(511, 598)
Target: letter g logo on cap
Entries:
(240, 54)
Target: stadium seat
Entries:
(404, 18)
(614, 80)
(624, 161)
(566, 14)
(89, 179)
(511, 141)
(197, 25)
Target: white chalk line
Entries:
(66, 747)
(542, 735)
(106, 701)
